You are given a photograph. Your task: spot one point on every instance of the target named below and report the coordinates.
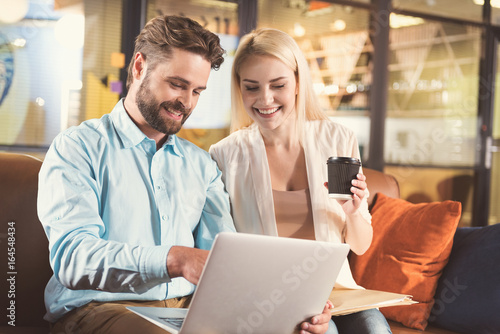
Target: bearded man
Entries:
(130, 209)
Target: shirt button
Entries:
(163, 217)
(158, 187)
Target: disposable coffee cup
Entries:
(341, 171)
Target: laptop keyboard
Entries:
(174, 322)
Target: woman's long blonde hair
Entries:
(278, 44)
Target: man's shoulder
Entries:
(190, 149)
(89, 128)
(93, 133)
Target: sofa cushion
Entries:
(468, 292)
(411, 245)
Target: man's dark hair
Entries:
(161, 34)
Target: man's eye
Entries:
(176, 85)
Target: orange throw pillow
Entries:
(411, 245)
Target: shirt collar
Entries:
(128, 132)
(131, 135)
(173, 142)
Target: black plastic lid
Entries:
(344, 160)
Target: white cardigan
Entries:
(243, 161)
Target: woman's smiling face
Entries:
(268, 89)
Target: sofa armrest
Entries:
(28, 244)
(379, 182)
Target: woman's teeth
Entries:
(268, 111)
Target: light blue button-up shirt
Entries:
(112, 206)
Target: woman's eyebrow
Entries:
(255, 81)
(250, 80)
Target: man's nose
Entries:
(186, 99)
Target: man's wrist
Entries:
(174, 264)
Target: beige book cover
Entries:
(346, 301)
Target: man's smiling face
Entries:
(169, 92)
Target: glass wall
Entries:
(469, 10)
(41, 53)
(102, 59)
(432, 110)
(59, 65)
(494, 148)
(433, 93)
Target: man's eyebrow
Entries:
(186, 82)
(179, 79)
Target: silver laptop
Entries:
(256, 284)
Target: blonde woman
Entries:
(274, 161)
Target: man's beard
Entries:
(150, 109)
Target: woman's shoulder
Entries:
(236, 143)
(237, 138)
(328, 127)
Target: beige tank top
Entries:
(294, 214)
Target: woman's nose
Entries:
(266, 96)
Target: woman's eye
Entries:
(251, 88)
(279, 86)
